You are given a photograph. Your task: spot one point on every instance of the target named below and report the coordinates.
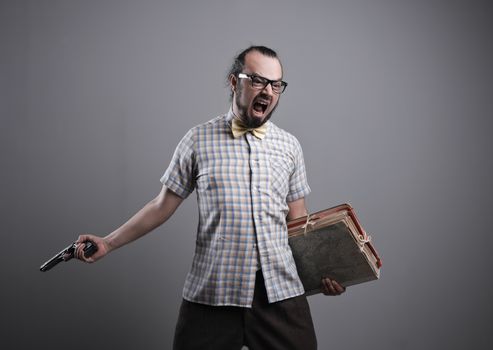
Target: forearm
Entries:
(297, 209)
(152, 215)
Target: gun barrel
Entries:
(51, 263)
(58, 258)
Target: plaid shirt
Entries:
(243, 185)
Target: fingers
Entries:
(79, 250)
(339, 289)
(328, 288)
(83, 238)
(332, 287)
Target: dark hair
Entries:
(239, 61)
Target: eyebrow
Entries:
(260, 75)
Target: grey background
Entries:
(391, 101)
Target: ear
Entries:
(233, 81)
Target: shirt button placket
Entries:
(256, 191)
(261, 205)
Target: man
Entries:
(243, 288)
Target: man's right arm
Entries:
(152, 215)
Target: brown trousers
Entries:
(282, 325)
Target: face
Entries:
(254, 106)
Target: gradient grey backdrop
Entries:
(391, 101)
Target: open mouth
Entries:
(260, 106)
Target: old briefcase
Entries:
(332, 243)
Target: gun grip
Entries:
(90, 248)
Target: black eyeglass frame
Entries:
(264, 82)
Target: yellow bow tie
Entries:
(240, 129)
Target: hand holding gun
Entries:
(68, 253)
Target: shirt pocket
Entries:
(281, 169)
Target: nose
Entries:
(268, 89)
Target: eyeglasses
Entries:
(260, 83)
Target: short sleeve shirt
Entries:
(243, 186)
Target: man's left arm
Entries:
(297, 208)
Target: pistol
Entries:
(68, 253)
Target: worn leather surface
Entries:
(330, 252)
